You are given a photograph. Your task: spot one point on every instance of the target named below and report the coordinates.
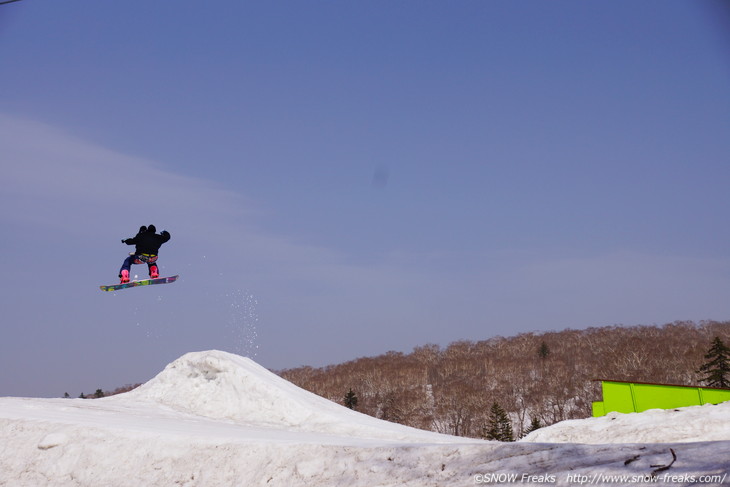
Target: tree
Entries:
(498, 427)
(390, 409)
(450, 390)
(534, 425)
(717, 368)
(544, 351)
(99, 394)
(350, 399)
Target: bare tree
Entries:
(450, 389)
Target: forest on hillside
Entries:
(535, 377)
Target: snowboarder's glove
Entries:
(127, 241)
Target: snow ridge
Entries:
(694, 423)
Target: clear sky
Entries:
(342, 179)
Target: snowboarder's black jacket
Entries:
(147, 241)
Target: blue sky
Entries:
(341, 179)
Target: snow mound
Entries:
(223, 386)
(688, 424)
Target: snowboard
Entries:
(143, 282)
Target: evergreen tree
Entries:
(99, 394)
(717, 368)
(544, 351)
(534, 425)
(351, 400)
(498, 427)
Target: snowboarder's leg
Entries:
(150, 260)
(124, 271)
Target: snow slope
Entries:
(216, 419)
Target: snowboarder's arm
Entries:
(132, 241)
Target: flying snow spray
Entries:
(242, 320)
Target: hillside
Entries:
(548, 376)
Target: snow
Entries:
(217, 419)
(696, 423)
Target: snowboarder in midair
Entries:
(147, 244)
